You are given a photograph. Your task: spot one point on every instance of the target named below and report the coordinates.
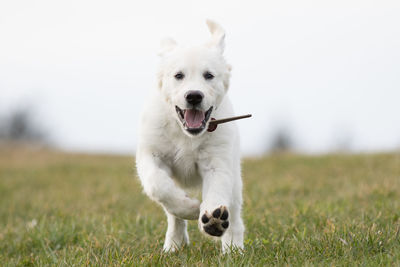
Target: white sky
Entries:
(327, 70)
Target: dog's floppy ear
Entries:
(166, 46)
(217, 35)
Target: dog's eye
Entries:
(179, 76)
(208, 75)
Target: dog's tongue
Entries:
(194, 118)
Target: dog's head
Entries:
(193, 81)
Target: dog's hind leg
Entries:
(177, 235)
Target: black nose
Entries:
(194, 97)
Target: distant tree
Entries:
(281, 141)
(20, 126)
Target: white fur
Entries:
(170, 160)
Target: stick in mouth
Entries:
(212, 126)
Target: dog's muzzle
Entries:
(194, 121)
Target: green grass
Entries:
(65, 209)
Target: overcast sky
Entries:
(328, 71)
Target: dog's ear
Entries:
(217, 35)
(166, 46)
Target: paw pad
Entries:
(216, 223)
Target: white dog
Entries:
(176, 152)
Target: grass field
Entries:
(66, 209)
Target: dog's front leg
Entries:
(159, 186)
(220, 211)
(216, 194)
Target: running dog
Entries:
(176, 151)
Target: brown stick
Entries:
(216, 122)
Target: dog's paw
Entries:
(215, 223)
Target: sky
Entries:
(326, 71)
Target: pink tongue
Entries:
(194, 118)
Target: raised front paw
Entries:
(215, 223)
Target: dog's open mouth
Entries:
(194, 121)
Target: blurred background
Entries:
(318, 76)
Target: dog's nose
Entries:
(194, 97)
